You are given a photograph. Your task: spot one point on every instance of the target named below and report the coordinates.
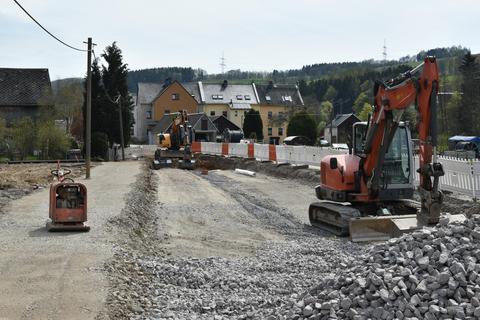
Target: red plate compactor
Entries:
(68, 203)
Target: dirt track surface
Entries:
(227, 214)
(59, 275)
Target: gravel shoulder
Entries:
(59, 275)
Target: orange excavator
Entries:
(368, 193)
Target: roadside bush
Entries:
(52, 141)
(23, 137)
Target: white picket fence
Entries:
(462, 176)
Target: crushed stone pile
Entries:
(429, 274)
(219, 288)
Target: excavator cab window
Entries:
(359, 135)
(396, 168)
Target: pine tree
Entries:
(114, 78)
(469, 113)
(253, 125)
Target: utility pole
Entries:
(88, 119)
(121, 126)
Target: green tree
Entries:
(452, 110)
(99, 145)
(330, 94)
(52, 141)
(23, 136)
(302, 124)
(366, 110)
(69, 102)
(326, 109)
(469, 117)
(359, 103)
(114, 77)
(253, 125)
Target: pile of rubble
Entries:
(429, 274)
(251, 287)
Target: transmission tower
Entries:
(222, 63)
(384, 51)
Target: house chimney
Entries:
(167, 82)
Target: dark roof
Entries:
(218, 93)
(222, 123)
(146, 92)
(24, 87)
(164, 123)
(279, 94)
(341, 118)
(192, 88)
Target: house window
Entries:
(236, 113)
(175, 96)
(270, 131)
(212, 112)
(270, 115)
(247, 97)
(268, 98)
(239, 97)
(217, 97)
(167, 111)
(225, 114)
(149, 114)
(280, 131)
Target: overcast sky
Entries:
(259, 35)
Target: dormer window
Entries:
(268, 98)
(247, 97)
(239, 97)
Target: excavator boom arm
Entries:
(391, 100)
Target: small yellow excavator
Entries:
(174, 145)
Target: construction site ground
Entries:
(169, 244)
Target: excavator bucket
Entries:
(385, 227)
(382, 227)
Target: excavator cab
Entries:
(397, 168)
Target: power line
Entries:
(38, 23)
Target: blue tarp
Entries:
(465, 138)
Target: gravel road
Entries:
(59, 275)
(226, 246)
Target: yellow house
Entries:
(276, 103)
(173, 98)
(275, 122)
(229, 100)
